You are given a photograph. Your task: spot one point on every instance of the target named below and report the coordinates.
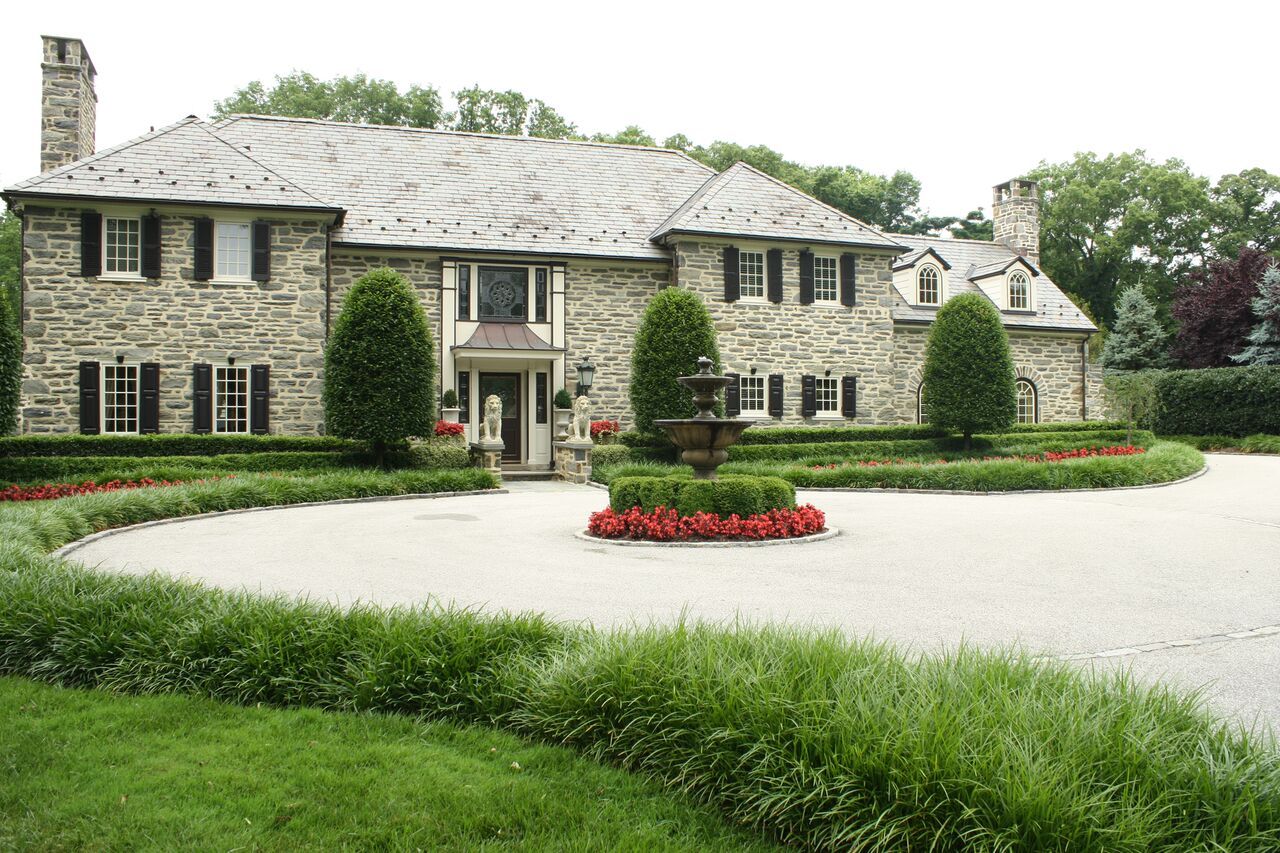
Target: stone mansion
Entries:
(187, 280)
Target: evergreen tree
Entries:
(10, 368)
(1137, 341)
(379, 366)
(969, 382)
(675, 331)
(1264, 340)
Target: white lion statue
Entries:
(580, 425)
(491, 431)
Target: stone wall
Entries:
(421, 270)
(174, 321)
(794, 339)
(68, 105)
(1050, 361)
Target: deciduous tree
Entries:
(355, 99)
(1214, 309)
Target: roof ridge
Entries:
(817, 201)
(98, 155)
(248, 156)
(943, 237)
(685, 206)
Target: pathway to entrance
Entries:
(1060, 574)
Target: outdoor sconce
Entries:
(586, 376)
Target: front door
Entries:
(507, 387)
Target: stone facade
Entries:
(1015, 217)
(175, 321)
(421, 270)
(794, 339)
(68, 104)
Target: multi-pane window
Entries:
(119, 398)
(922, 414)
(928, 285)
(504, 293)
(1019, 292)
(231, 399)
(1027, 413)
(826, 395)
(233, 250)
(751, 274)
(825, 286)
(751, 395)
(121, 246)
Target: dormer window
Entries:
(928, 285)
(1019, 291)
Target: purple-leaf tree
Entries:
(1214, 310)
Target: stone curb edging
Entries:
(829, 533)
(1177, 482)
(1128, 651)
(71, 547)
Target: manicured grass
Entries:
(94, 770)
(1249, 444)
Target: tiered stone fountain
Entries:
(704, 439)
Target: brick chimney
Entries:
(1015, 213)
(68, 103)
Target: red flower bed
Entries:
(52, 491)
(449, 428)
(666, 525)
(599, 428)
(1047, 456)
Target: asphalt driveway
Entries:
(1096, 574)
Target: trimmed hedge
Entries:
(49, 469)
(168, 444)
(1003, 444)
(815, 434)
(730, 495)
(1218, 401)
(1249, 444)
(968, 372)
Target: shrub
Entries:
(449, 399)
(562, 399)
(813, 434)
(378, 366)
(1222, 401)
(445, 429)
(609, 454)
(605, 431)
(439, 452)
(675, 331)
(10, 366)
(1248, 444)
(167, 444)
(968, 372)
(730, 495)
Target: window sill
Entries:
(759, 417)
(233, 282)
(828, 416)
(123, 279)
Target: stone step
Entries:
(526, 474)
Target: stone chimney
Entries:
(68, 103)
(1015, 213)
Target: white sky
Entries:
(963, 95)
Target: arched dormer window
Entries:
(922, 414)
(1019, 291)
(1028, 402)
(928, 285)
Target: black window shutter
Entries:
(849, 396)
(464, 397)
(732, 290)
(733, 396)
(202, 398)
(151, 246)
(149, 398)
(775, 395)
(90, 243)
(848, 279)
(261, 251)
(90, 398)
(808, 396)
(806, 277)
(773, 269)
(259, 399)
(204, 250)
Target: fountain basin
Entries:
(703, 442)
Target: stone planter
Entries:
(562, 418)
(452, 416)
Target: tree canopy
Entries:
(1214, 309)
(1264, 340)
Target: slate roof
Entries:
(1053, 310)
(184, 162)
(513, 336)
(742, 201)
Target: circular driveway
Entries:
(1061, 574)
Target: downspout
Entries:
(328, 281)
(1084, 379)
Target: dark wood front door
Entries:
(507, 387)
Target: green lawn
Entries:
(92, 770)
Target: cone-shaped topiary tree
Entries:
(969, 383)
(1137, 340)
(10, 367)
(1264, 340)
(675, 331)
(379, 368)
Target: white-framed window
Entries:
(1019, 291)
(122, 246)
(928, 285)
(119, 398)
(922, 414)
(751, 275)
(826, 395)
(232, 251)
(751, 395)
(230, 399)
(826, 285)
(1028, 400)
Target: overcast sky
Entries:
(962, 95)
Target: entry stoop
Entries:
(527, 473)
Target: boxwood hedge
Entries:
(1218, 401)
(167, 444)
(739, 495)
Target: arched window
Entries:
(928, 285)
(1019, 292)
(922, 414)
(1028, 402)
